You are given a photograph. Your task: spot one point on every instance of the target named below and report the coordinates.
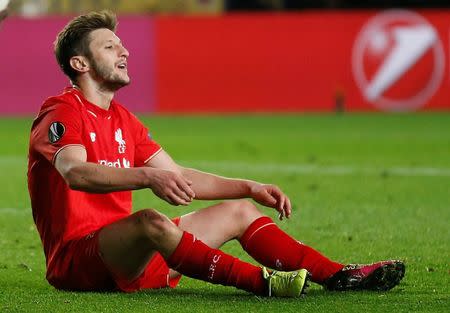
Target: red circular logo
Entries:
(398, 61)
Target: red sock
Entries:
(272, 247)
(196, 260)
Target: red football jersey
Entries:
(111, 137)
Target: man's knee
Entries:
(244, 211)
(152, 224)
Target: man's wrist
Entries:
(146, 176)
(252, 188)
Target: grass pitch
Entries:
(364, 188)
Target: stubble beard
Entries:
(110, 80)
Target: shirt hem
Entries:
(152, 156)
(63, 147)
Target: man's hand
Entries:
(171, 186)
(271, 196)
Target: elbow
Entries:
(73, 180)
(75, 186)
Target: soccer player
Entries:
(87, 153)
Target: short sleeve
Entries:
(58, 127)
(146, 147)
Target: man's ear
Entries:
(79, 63)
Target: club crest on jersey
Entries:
(120, 141)
(56, 131)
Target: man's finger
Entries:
(183, 184)
(288, 207)
(281, 204)
(182, 193)
(270, 198)
(176, 200)
(279, 207)
(186, 193)
(179, 190)
(168, 200)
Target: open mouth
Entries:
(122, 66)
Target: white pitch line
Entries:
(293, 168)
(341, 170)
(12, 160)
(15, 211)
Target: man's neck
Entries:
(95, 94)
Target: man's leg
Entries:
(220, 223)
(128, 245)
(260, 237)
(272, 247)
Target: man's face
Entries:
(108, 59)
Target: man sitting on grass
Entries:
(87, 152)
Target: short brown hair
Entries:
(74, 38)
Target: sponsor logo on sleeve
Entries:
(56, 131)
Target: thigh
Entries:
(220, 223)
(127, 246)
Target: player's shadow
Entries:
(218, 294)
(210, 293)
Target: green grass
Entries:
(364, 188)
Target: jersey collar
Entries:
(93, 109)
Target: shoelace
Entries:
(283, 282)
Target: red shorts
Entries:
(82, 268)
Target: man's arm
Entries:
(208, 186)
(91, 177)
